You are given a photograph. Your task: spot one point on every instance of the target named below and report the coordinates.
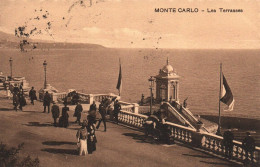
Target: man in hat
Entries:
(228, 138)
(32, 95)
(78, 111)
(93, 106)
(117, 108)
(249, 147)
(55, 113)
(47, 101)
(22, 101)
(64, 119)
(102, 111)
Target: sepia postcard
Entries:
(129, 83)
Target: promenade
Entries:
(119, 146)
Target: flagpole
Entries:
(119, 90)
(219, 115)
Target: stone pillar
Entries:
(136, 107)
(91, 98)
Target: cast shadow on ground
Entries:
(221, 163)
(38, 124)
(58, 143)
(198, 156)
(61, 151)
(30, 111)
(141, 138)
(6, 109)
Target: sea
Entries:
(96, 71)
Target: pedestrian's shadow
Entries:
(6, 109)
(58, 143)
(142, 138)
(61, 151)
(38, 124)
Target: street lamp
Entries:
(11, 66)
(45, 68)
(151, 81)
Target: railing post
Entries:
(136, 107)
(91, 98)
(54, 97)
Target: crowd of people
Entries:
(86, 134)
(86, 137)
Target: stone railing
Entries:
(132, 119)
(194, 137)
(58, 96)
(130, 107)
(214, 144)
(89, 98)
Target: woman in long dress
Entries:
(82, 135)
(92, 140)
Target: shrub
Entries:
(9, 157)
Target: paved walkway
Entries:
(119, 146)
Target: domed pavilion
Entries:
(167, 84)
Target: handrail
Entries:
(178, 115)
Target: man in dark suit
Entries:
(93, 106)
(32, 95)
(228, 138)
(102, 111)
(47, 101)
(117, 108)
(249, 147)
(55, 113)
(77, 113)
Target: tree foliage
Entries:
(9, 157)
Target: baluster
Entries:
(184, 135)
(214, 145)
(209, 140)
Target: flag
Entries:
(226, 95)
(119, 82)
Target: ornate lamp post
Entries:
(45, 68)
(151, 81)
(11, 66)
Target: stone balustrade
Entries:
(130, 107)
(58, 96)
(203, 140)
(132, 119)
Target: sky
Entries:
(135, 24)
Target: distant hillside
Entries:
(11, 41)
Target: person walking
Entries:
(32, 95)
(228, 138)
(92, 114)
(92, 140)
(22, 101)
(15, 89)
(93, 106)
(47, 101)
(82, 136)
(77, 112)
(117, 108)
(15, 101)
(248, 145)
(64, 119)
(102, 111)
(55, 110)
